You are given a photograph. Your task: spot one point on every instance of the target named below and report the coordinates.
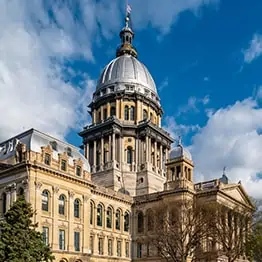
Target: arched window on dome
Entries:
(129, 155)
(145, 114)
(112, 111)
(126, 113)
(132, 113)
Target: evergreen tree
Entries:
(19, 239)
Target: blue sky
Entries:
(204, 55)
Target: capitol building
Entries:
(97, 205)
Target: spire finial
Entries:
(224, 170)
(127, 36)
(179, 141)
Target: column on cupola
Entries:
(155, 154)
(114, 146)
(147, 149)
(117, 108)
(87, 151)
(160, 157)
(108, 109)
(150, 150)
(102, 113)
(109, 148)
(102, 153)
(94, 116)
(137, 156)
(94, 156)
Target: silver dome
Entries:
(126, 69)
(180, 151)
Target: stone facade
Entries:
(89, 205)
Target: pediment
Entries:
(238, 193)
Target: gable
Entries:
(237, 193)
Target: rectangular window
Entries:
(77, 241)
(127, 249)
(46, 235)
(100, 246)
(139, 250)
(62, 239)
(63, 165)
(119, 248)
(110, 247)
(78, 170)
(91, 244)
(47, 159)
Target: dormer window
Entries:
(54, 145)
(63, 165)
(47, 159)
(78, 170)
(69, 151)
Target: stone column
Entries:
(94, 116)
(8, 198)
(161, 157)
(86, 232)
(108, 109)
(54, 239)
(150, 149)
(122, 151)
(155, 155)
(102, 154)
(117, 109)
(70, 233)
(109, 149)
(147, 149)
(102, 113)
(38, 201)
(137, 155)
(114, 146)
(13, 193)
(94, 164)
(87, 151)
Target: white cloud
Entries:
(164, 84)
(176, 130)
(193, 104)
(162, 16)
(231, 138)
(254, 50)
(37, 36)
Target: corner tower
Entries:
(125, 144)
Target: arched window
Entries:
(112, 111)
(91, 213)
(105, 113)
(4, 202)
(109, 217)
(150, 220)
(140, 222)
(45, 200)
(126, 113)
(129, 155)
(61, 205)
(126, 222)
(77, 208)
(118, 219)
(132, 113)
(99, 218)
(145, 114)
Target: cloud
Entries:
(193, 104)
(162, 16)
(206, 79)
(231, 138)
(163, 85)
(176, 130)
(254, 50)
(33, 48)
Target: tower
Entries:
(125, 144)
(179, 169)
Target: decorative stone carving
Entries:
(85, 198)
(71, 194)
(38, 185)
(56, 189)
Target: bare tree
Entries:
(180, 229)
(230, 229)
